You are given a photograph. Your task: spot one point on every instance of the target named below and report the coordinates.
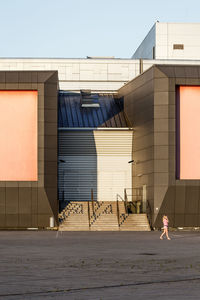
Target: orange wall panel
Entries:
(189, 132)
(18, 136)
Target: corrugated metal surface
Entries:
(76, 143)
(113, 175)
(95, 142)
(77, 176)
(109, 114)
(95, 160)
(113, 142)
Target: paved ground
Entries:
(99, 265)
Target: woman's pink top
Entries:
(165, 222)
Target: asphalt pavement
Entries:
(99, 265)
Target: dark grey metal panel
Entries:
(77, 166)
(109, 113)
(76, 143)
(77, 176)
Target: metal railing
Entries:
(89, 213)
(125, 201)
(70, 209)
(149, 214)
(135, 200)
(92, 199)
(118, 217)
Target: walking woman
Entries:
(165, 227)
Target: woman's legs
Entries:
(167, 234)
(165, 231)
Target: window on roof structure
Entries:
(88, 99)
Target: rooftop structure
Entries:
(171, 41)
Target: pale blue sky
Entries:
(80, 28)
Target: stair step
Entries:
(104, 219)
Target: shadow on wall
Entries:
(182, 206)
(77, 167)
(167, 200)
(77, 154)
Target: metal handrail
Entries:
(96, 216)
(92, 199)
(136, 196)
(89, 213)
(149, 214)
(117, 202)
(138, 193)
(125, 201)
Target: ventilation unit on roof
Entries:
(100, 57)
(88, 99)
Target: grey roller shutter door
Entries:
(95, 160)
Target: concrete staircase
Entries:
(75, 217)
(134, 222)
(103, 216)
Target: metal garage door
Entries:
(95, 160)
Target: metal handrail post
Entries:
(92, 199)
(144, 198)
(125, 198)
(149, 214)
(89, 213)
(117, 210)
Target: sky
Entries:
(81, 28)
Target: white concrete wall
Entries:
(76, 74)
(100, 75)
(168, 34)
(145, 50)
(163, 36)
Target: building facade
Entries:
(166, 159)
(57, 148)
(28, 180)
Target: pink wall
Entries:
(189, 132)
(18, 136)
